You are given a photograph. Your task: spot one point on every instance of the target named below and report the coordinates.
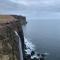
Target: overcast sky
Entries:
(38, 9)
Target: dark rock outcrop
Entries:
(22, 19)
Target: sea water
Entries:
(45, 35)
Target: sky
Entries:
(33, 9)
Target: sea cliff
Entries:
(9, 41)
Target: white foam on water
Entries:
(32, 57)
(29, 45)
(46, 53)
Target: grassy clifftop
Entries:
(10, 18)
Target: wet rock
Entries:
(32, 53)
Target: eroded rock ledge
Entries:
(9, 49)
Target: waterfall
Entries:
(20, 47)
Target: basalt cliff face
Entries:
(9, 41)
(22, 19)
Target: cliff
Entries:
(9, 41)
(22, 19)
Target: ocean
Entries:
(45, 36)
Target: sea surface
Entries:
(45, 35)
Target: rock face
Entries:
(22, 19)
(9, 42)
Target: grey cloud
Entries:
(41, 5)
(31, 7)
